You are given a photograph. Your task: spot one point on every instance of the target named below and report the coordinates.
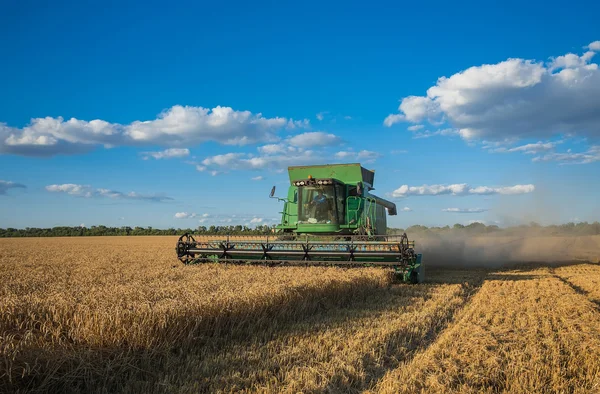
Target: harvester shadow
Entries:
(79, 368)
(228, 346)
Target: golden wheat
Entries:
(122, 314)
(523, 332)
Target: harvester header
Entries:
(329, 217)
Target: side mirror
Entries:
(359, 189)
(272, 192)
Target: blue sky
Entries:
(161, 114)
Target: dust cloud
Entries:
(496, 251)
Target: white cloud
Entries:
(222, 160)
(185, 215)
(570, 60)
(392, 119)
(176, 127)
(258, 178)
(415, 127)
(461, 189)
(6, 185)
(256, 220)
(398, 151)
(241, 161)
(88, 191)
(464, 210)
(272, 149)
(276, 157)
(314, 138)
(442, 132)
(364, 156)
(348, 117)
(530, 149)
(594, 46)
(321, 115)
(167, 153)
(406, 209)
(344, 154)
(516, 98)
(590, 156)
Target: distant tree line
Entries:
(65, 231)
(583, 228)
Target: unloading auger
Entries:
(329, 218)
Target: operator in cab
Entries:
(319, 203)
(320, 198)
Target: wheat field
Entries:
(121, 314)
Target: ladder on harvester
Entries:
(367, 219)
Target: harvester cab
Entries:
(333, 199)
(329, 217)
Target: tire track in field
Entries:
(522, 333)
(431, 336)
(578, 289)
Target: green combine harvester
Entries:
(330, 217)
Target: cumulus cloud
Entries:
(272, 149)
(278, 156)
(176, 127)
(167, 153)
(461, 189)
(185, 215)
(258, 178)
(245, 161)
(303, 149)
(256, 220)
(594, 46)
(464, 210)
(314, 138)
(6, 185)
(516, 98)
(406, 209)
(88, 192)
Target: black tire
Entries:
(414, 277)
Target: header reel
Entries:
(391, 251)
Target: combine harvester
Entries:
(329, 218)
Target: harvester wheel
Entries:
(414, 277)
(183, 245)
